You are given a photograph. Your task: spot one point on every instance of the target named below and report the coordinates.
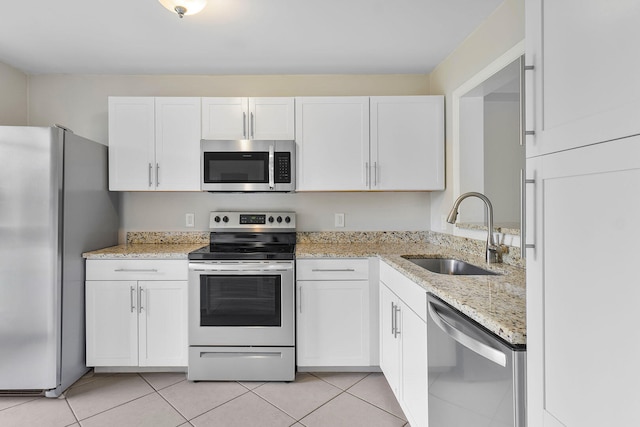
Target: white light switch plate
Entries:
(339, 220)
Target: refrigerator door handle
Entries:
(471, 343)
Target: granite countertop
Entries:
(144, 251)
(496, 302)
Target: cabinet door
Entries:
(407, 143)
(112, 323)
(582, 293)
(332, 136)
(414, 384)
(584, 87)
(163, 323)
(177, 144)
(271, 118)
(333, 323)
(389, 342)
(131, 144)
(225, 118)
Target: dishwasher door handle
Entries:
(489, 353)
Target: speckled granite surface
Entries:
(144, 251)
(496, 302)
(154, 245)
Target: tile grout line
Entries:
(113, 407)
(364, 400)
(72, 412)
(215, 407)
(376, 406)
(162, 397)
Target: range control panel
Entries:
(252, 220)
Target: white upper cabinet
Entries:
(177, 144)
(584, 87)
(385, 143)
(248, 118)
(131, 144)
(272, 118)
(154, 144)
(407, 143)
(332, 137)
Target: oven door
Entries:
(241, 303)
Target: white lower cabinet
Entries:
(403, 342)
(134, 317)
(334, 324)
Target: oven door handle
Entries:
(239, 267)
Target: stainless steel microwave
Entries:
(248, 165)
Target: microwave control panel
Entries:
(282, 172)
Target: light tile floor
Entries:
(168, 399)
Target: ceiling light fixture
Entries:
(184, 7)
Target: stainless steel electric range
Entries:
(241, 299)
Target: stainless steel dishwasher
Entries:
(475, 378)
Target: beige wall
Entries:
(13, 96)
(500, 32)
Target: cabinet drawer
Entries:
(333, 269)
(412, 294)
(130, 269)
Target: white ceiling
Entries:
(236, 36)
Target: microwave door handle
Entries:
(271, 166)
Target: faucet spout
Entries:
(493, 251)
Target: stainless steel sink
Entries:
(449, 266)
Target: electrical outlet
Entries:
(339, 220)
(190, 220)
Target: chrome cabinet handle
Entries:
(244, 124)
(529, 118)
(375, 174)
(332, 269)
(133, 305)
(252, 125)
(471, 343)
(366, 174)
(150, 176)
(300, 297)
(140, 306)
(393, 322)
(157, 174)
(523, 214)
(395, 315)
(136, 270)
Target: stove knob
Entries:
(279, 219)
(287, 219)
(216, 219)
(271, 219)
(225, 219)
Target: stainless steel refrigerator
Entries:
(54, 205)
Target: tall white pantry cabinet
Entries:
(583, 205)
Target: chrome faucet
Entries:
(493, 251)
